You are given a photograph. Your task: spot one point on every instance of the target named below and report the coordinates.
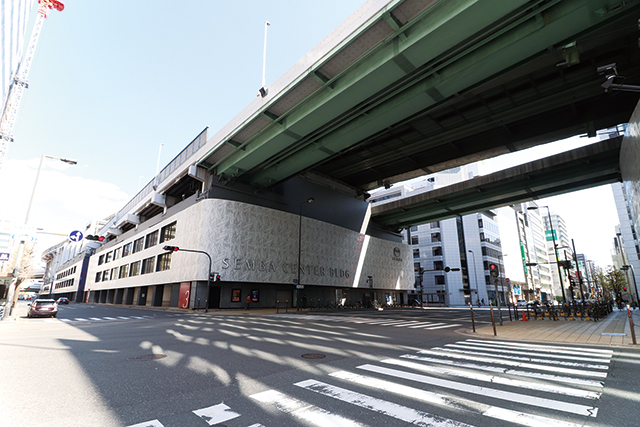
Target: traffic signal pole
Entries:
(196, 301)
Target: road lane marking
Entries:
(495, 379)
(152, 423)
(304, 411)
(459, 403)
(533, 366)
(526, 359)
(537, 375)
(404, 413)
(517, 350)
(576, 349)
(216, 414)
(445, 326)
(588, 411)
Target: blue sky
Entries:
(111, 81)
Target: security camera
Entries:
(608, 70)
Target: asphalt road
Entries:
(117, 366)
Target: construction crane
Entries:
(19, 82)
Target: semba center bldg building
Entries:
(305, 242)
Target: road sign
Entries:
(507, 280)
(4, 256)
(75, 236)
(299, 286)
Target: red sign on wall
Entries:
(185, 294)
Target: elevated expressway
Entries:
(407, 88)
(584, 167)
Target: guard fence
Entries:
(590, 311)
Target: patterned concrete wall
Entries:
(253, 244)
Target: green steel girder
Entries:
(331, 121)
(361, 79)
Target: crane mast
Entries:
(20, 80)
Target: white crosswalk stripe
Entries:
(395, 323)
(104, 319)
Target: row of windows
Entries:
(65, 284)
(166, 233)
(148, 265)
(66, 273)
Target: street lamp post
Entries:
(18, 259)
(635, 286)
(309, 200)
(555, 249)
(575, 258)
(176, 249)
(475, 273)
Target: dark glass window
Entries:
(416, 253)
(414, 240)
(138, 245)
(168, 232)
(134, 270)
(437, 250)
(126, 249)
(124, 271)
(147, 266)
(164, 262)
(151, 239)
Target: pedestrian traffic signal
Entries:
(625, 289)
(95, 237)
(475, 291)
(493, 270)
(171, 248)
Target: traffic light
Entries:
(493, 270)
(475, 291)
(171, 248)
(625, 289)
(217, 277)
(95, 237)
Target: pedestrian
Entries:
(248, 301)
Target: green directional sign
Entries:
(551, 236)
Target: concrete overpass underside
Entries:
(585, 167)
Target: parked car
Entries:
(43, 307)
(521, 303)
(63, 300)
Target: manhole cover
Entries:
(313, 356)
(147, 357)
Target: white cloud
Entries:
(63, 201)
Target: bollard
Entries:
(493, 320)
(633, 332)
(277, 306)
(473, 323)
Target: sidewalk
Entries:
(613, 330)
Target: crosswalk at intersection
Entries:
(466, 383)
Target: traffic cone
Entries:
(524, 317)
